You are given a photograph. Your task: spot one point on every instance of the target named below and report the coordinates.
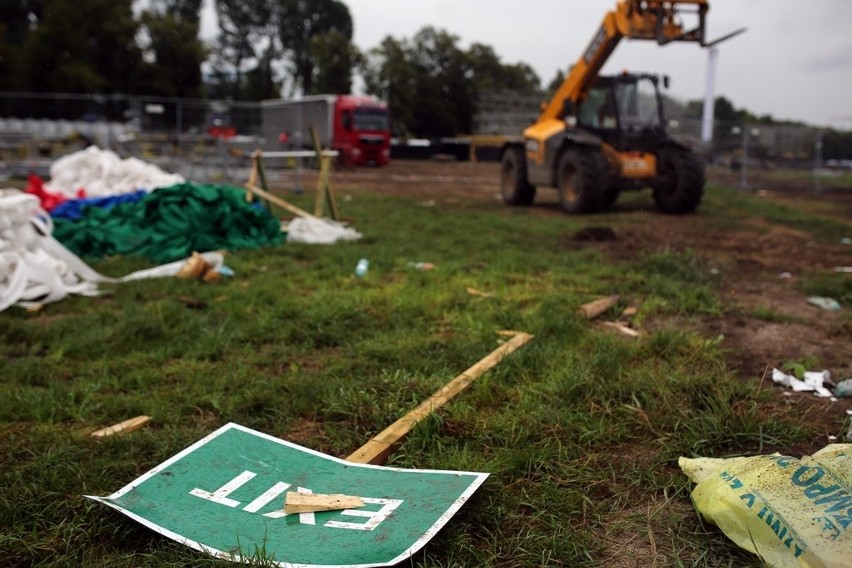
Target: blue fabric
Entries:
(73, 209)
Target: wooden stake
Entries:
(324, 193)
(122, 427)
(618, 326)
(377, 449)
(480, 293)
(278, 201)
(596, 308)
(295, 502)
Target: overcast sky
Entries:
(794, 62)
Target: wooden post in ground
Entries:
(324, 192)
(377, 449)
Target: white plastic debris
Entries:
(37, 269)
(813, 381)
(103, 173)
(829, 304)
(313, 230)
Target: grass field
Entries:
(580, 429)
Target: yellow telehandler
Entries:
(601, 135)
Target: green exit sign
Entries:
(224, 495)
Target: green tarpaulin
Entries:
(170, 223)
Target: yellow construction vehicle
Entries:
(600, 135)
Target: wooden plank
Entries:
(376, 450)
(278, 201)
(122, 427)
(596, 308)
(295, 502)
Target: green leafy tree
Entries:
(15, 21)
(336, 58)
(431, 84)
(392, 76)
(247, 45)
(300, 21)
(83, 46)
(491, 74)
(174, 53)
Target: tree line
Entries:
(265, 49)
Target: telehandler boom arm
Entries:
(657, 20)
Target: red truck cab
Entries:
(361, 131)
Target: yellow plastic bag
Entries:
(790, 512)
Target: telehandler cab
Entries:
(601, 135)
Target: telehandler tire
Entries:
(682, 185)
(514, 187)
(580, 180)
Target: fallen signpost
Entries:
(223, 494)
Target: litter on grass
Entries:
(792, 513)
(812, 381)
(829, 304)
(317, 231)
(37, 269)
(843, 388)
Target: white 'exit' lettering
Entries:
(221, 496)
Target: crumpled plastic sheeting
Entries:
(102, 173)
(36, 269)
(793, 513)
(313, 230)
(813, 381)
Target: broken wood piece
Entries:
(629, 312)
(618, 326)
(122, 427)
(509, 332)
(596, 308)
(480, 293)
(377, 449)
(295, 502)
(277, 201)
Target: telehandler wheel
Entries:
(514, 186)
(580, 180)
(682, 185)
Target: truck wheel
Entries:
(514, 186)
(579, 180)
(682, 184)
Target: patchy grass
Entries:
(581, 429)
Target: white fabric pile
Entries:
(36, 269)
(316, 231)
(103, 173)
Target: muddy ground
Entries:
(749, 255)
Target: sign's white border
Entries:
(479, 478)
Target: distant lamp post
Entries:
(710, 86)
